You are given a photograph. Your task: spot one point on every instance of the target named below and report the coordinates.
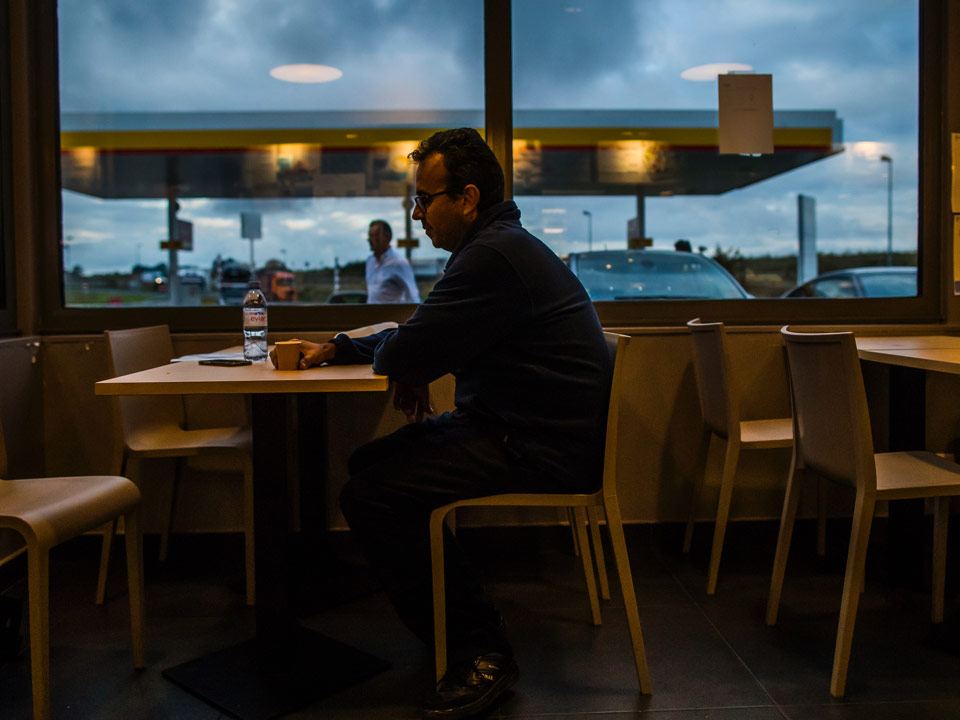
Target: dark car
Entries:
(233, 283)
(192, 277)
(653, 275)
(862, 282)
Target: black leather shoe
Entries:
(469, 689)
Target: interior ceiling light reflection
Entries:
(709, 72)
(306, 73)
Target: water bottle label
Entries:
(254, 317)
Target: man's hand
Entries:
(311, 353)
(412, 401)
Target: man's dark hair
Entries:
(385, 226)
(468, 161)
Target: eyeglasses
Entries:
(423, 200)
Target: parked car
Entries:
(232, 283)
(862, 282)
(653, 275)
(192, 277)
(153, 279)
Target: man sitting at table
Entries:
(520, 334)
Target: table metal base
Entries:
(237, 681)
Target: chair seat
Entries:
(530, 500)
(49, 511)
(772, 433)
(915, 474)
(168, 441)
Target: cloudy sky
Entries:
(857, 57)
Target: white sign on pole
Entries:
(250, 225)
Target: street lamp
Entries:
(889, 160)
(589, 229)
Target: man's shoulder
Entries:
(503, 234)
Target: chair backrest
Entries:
(617, 347)
(830, 406)
(719, 404)
(130, 351)
(3, 453)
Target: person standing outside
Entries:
(516, 328)
(388, 274)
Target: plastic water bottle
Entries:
(254, 323)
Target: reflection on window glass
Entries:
(897, 282)
(616, 142)
(205, 144)
(836, 287)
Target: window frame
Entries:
(8, 307)
(934, 219)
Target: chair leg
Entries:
(706, 441)
(134, 545)
(249, 542)
(856, 558)
(730, 460)
(619, 544)
(821, 517)
(174, 491)
(106, 544)
(572, 522)
(581, 516)
(787, 517)
(439, 591)
(38, 588)
(130, 467)
(941, 518)
(594, 513)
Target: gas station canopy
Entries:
(364, 153)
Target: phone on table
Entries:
(226, 362)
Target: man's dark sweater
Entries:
(522, 338)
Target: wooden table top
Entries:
(191, 378)
(939, 353)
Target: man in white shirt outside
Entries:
(389, 275)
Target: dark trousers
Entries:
(395, 482)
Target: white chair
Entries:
(47, 512)
(606, 498)
(152, 427)
(720, 407)
(834, 441)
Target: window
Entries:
(616, 144)
(7, 308)
(613, 148)
(202, 146)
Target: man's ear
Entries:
(471, 198)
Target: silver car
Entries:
(861, 282)
(653, 275)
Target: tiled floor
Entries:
(710, 657)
